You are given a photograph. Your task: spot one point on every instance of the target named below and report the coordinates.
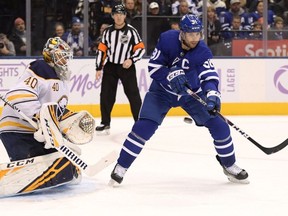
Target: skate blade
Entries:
(112, 183)
(103, 133)
(237, 181)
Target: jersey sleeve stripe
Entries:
(21, 96)
(138, 46)
(102, 47)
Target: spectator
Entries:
(235, 9)
(257, 15)
(131, 11)
(281, 9)
(213, 31)
(213, 25)
(59, 30)
(174, 6)
(154, 9)
(235, 32)
(18, 37)
(219, 6)
(156, 25)
(256, 33)
(95, 44)
(6, 46)
(252, 5)
(277, 32)
(183, 8)
(165, 7)
(107, 6)
(75, 37)
(138, 6)
(174, 25)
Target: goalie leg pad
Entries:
(38, 173)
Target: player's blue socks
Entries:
(141, 132)
(225, 151)
(222, 140)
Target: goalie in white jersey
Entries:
(42, 87)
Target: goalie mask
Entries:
(57, 53)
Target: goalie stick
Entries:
(65, 150)
(266, 150)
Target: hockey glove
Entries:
(213, 101)
(177, 80)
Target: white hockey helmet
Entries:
(57, 53)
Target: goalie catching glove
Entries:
(77, 127)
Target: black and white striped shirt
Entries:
(117, 45)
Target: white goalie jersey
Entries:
(39, 84)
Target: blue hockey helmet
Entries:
(190, 23)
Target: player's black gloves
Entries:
(177, 80)
(213, 101)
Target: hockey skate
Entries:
(117, 175)
(103, 129)
(234, 173)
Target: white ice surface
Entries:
(176, 174)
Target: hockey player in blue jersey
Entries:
(181, 57)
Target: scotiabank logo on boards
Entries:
(280, 79)
(255, 48)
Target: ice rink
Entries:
(176, 174)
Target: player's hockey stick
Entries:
(67, 152)
(266, 150)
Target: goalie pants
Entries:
(21, 146)
(111, 75)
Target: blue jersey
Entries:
(226, 19)
(255, 16)
(196, 63)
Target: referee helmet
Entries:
(119, 8)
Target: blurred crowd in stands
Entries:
(226, 20)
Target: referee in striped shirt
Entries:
(120, 47)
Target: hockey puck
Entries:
(188, 120)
